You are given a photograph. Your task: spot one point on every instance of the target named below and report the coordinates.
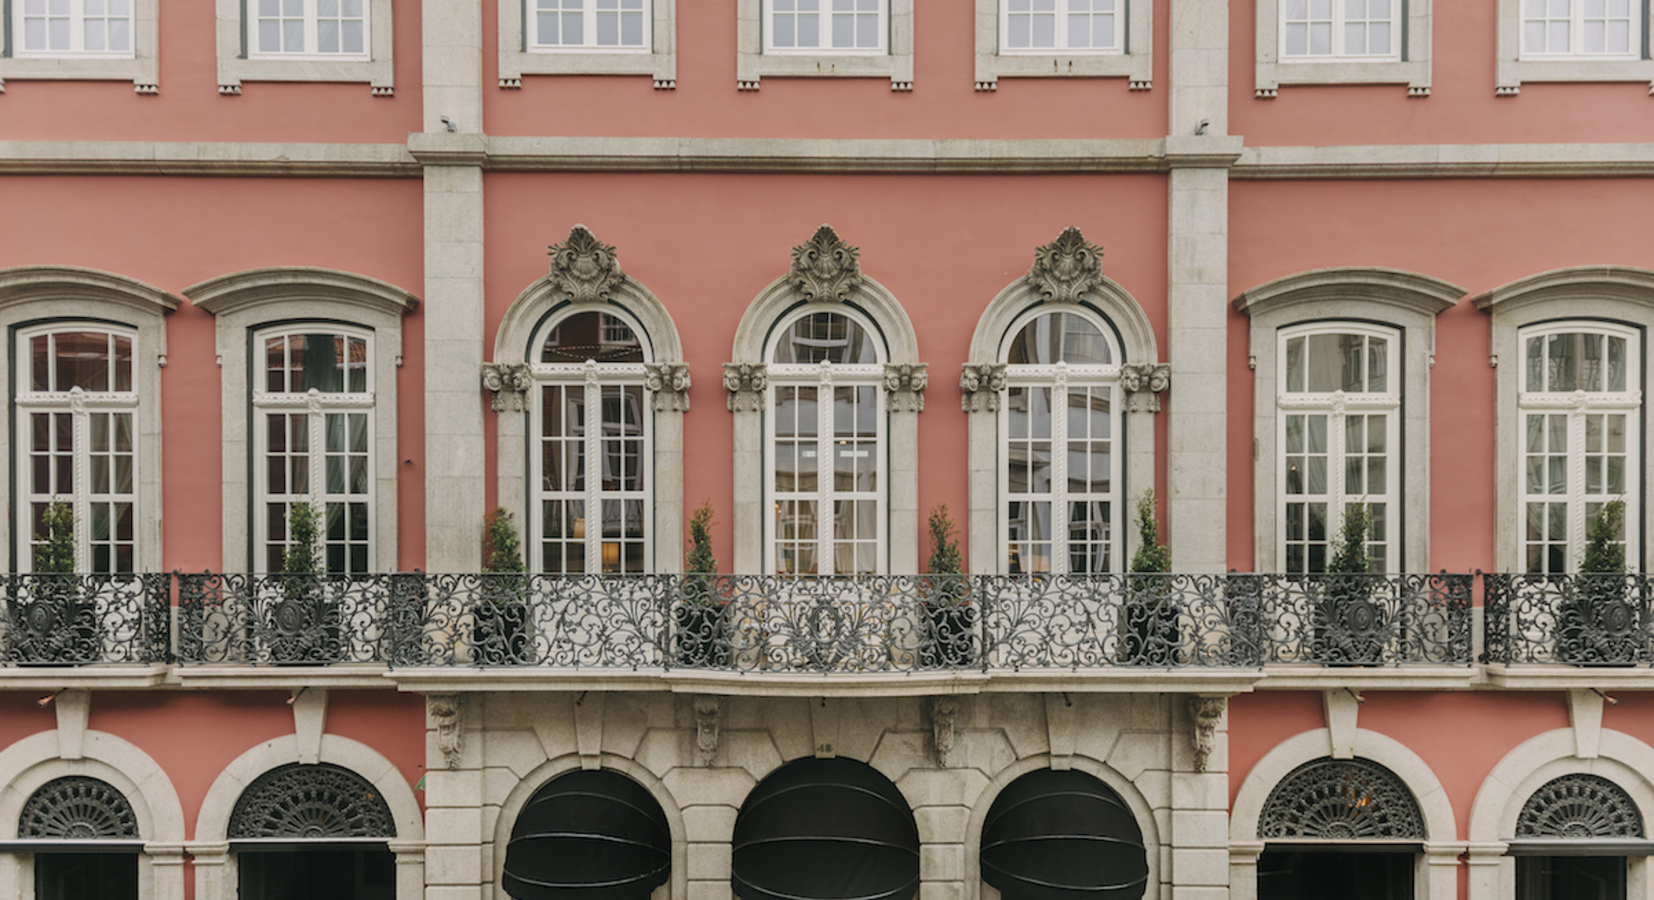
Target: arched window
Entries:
(1339, 403)
(80, 809)
(1346, 827)
(1060, 446)
(826, 437)
(591, 459)
(315, 831)
(1571, 835)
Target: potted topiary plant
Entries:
(951, 620)
(701, 633)
(1151, 632)
(55, 626)
(1596, 624)
(302, 630)
(1352, 626)
(500, 615)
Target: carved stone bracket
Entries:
(981, 384)
(1143, 383)
(1068, 267)
(584, 267)
(904, 386)
(1205, 712)
(669, 382)
(445, 710)
(509, 383)
(709, 713)
(745, 383)
(943, 712)
(825, 267)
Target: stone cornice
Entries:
(206, 158)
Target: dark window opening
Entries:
(85, 876)
(330, 874)
(1293, 875)
(1570, 878)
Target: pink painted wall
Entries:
(1476, 234)
(1461, 107)
(144, 228)
(944, 102)
(706, 245)
(189, 107)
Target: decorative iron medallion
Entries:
(76, 808)
(1580, 806)
(319, 802)
(1341, 800)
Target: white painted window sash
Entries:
(589, 15)
(311, 18)
(825, 17)
(1064, 15)
(110, 21)
(1574, 25)
(1337, 19)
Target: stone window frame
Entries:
(235, 65)
(752, 64)
(244, 303)
(1619, 294)
(1413, 69)
(660, 61)
(1512, 69)
(143, 66)
(1407, 302)
(87, 295)
(1136, 64)
(667, 380)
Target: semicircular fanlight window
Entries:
(825, 337)
(1580, 806)
(77, 808)
(1059, 337)
(596, 336)
(311, 802)
(1341, 800)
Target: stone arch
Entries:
(1106, 298)
(212, 823)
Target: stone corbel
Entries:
(669, 382)
(904, 386)
(445, 711)
(1143, 383)
(745, 383)
(588, 729)
(943, 713)
(509, 382)
(980, 385)
(1205, 712)
(709, 713)
(74, 711)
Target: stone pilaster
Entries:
(1200, 799)
(453, 863)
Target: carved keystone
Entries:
(584, 267)
(825, 267)
(1067, 268)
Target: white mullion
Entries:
(593, 439)
(80, 501)
(825, 489)
(1575, 491)
(1059, 471)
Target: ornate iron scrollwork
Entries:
(1580, 806)
(1340, 800)
(311, 802)
(77, 808)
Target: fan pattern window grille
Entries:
(1580, 806)
(77, 808)
(1341, 800)
(311, 802)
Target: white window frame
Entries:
(825, 376)
(1409, 64)
(1337, 406)
(312, 41)
(77, 32)
(1575, 407)
(1576, 36)
(756, 58)
(1133, 59)
(824, 14)
(519, 55)
(589, 14)
(139, 63)
(1059, 378)
(1062, 19)
(240, 61)
(81, 406)
(590, 376)
(1340, 53)
(316, 407)
(1515, 66)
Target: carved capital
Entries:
(745, 383)
(1205, 712)
(943, 713)
(1068, 267)
(981, 384)
(669, 382)
(584, 267)
(825, 267)
(509, 383)
(904, 386)
(1143, 383)
(709, 713)
(445, 711)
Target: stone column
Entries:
(165, 878)
(1199, 152)
(980, 385)
(904, 397)
(746, 383)
(410, 869)
(1200, 799)
(453, 860)
(215, 873)
(669, 384)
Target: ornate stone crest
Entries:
(509, 384)
(445, 715)
(904, 386)
(1143, 384)
(1065, 269)
(943, 712)
(708, 715)
(825, 267)
(669, 382)
(1206, 712)
(745, 383)
(981, 384)
(584, 267)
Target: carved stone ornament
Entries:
(445, 715)
(981, 384)
(1206, 713)
(584, 267)
(509, 384)
(745, 383)
(1143, 384)
(943, 712)
(904, 386)
(709, 713)
(825, 267)
(1065, 269)
(669, 382)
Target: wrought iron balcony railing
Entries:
(1580, 620)
(69, 620)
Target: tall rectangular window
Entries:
(1334, 29)
(1044, 26)
(1595, 28)
(327, 28)
(607, 25)
(826, 26)
(58, 28)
